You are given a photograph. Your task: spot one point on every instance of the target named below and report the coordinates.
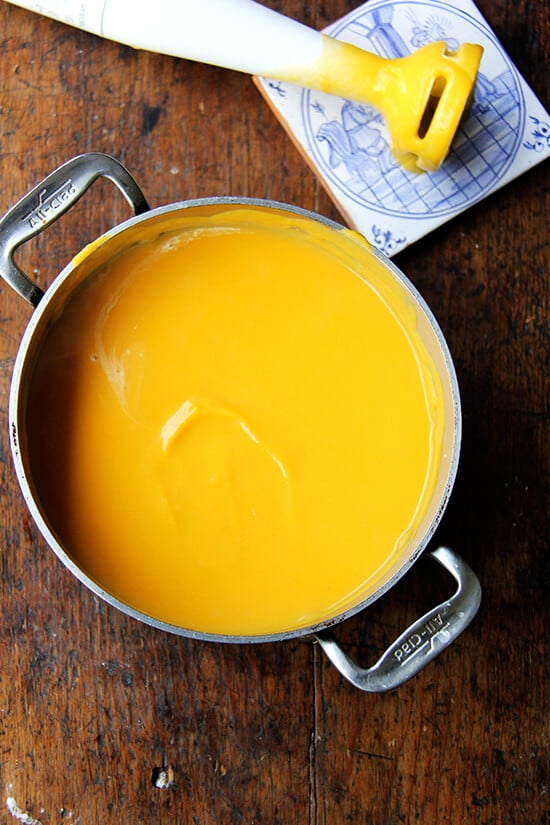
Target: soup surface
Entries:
(234, 427)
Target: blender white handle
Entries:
(235, 34)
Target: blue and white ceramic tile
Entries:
(506, 131)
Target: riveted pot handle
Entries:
(422, 641)
(50, 199)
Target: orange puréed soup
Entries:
(233, 426)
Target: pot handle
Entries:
(422, 641)
(50, 199)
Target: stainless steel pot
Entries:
(420, 642)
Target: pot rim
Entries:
(28, 496)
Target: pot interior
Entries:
(230, 398)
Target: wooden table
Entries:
(94, 705)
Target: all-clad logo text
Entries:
(49, 204)
(416, 641)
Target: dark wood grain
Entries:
(93, 704)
